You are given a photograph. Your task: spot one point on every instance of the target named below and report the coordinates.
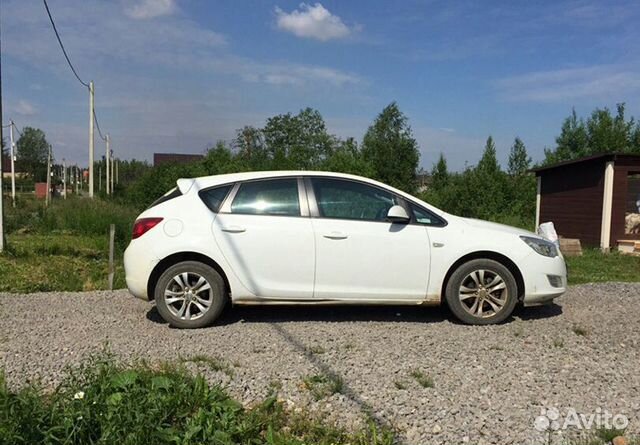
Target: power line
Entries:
(64, 51)
(95, 118)
(12, 123)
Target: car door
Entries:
(359, 254)
(265, 234)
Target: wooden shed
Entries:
(595, 199)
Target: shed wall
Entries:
(571, 197)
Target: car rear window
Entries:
(173, 193)
(214, 197)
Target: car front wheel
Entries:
(190, 294)
(482, 291)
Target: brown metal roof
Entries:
(604, 156)
(178, 158)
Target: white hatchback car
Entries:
(298, 237)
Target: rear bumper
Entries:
(544, 279)
(138, 265)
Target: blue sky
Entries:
(178, 75)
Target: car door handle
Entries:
(234, 229)
(336, 235)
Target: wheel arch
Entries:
(179, 257)
(490, 255)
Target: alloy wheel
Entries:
(483, 293)
(188, 296)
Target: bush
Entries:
(88, 217)
(103, 402)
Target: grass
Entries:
(316, 349)
(423, 379)
(103, 402)
(213, 363)
(400, 384)
(558, 343)
(580, 330)
(604, 436)
(595, 267)
(57, 262)
(63, 247)
(323, 385)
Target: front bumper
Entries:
(544, 278)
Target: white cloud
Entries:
(314, 22)
(298, 75)
(148, 9)
(596, 82)
(25, 108)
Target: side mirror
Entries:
(397, 214)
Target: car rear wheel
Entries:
(190, 294)
(482, 291)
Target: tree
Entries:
(250, 146)
(440, 174)
(220, 160)
(521, 186)
(608, 134)
(297, 142)
(601, 133)
(32, 153)
(488, 164)
(391, 149)
(519, 160)
(487, 185)
(346, 157)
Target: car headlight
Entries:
(543, 247)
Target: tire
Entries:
(194, 304)
(482, 292)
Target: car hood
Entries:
(495, 227)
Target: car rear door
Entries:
(265, 234)
(359, 254)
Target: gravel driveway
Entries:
(490, 382)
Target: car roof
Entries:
(210, 181)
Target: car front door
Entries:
(265, 234)
(359, 254)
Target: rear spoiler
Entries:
(185, 184)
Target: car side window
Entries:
(423, 216)
(343, 199)
(214, 197)
(268, 197)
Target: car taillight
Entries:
(143, 225)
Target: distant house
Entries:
(175, 158)
(595, 199)
(6, 168)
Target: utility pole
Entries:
(77, 180)
(117, 163)
(106, 164)
(13, 167)
(113, 163)
(100, 178)
(47, 198)
(64, 179)
(1, 191)
(91, 98)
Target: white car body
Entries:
(267, 259)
